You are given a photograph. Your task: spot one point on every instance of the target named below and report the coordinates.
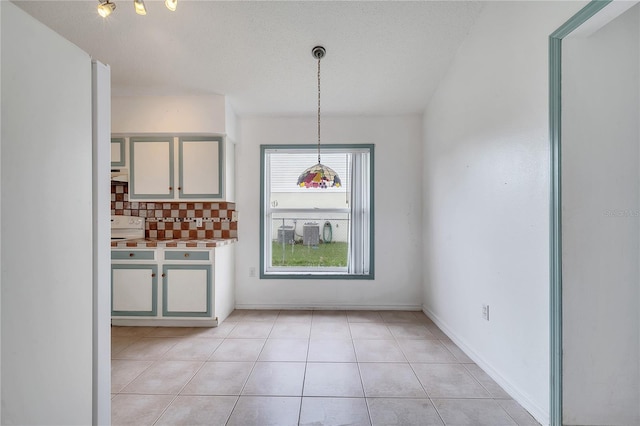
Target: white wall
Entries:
(46, 269)
(398, 171)
(231, 127)
(601, 225)
(486, 197)
(168, 114)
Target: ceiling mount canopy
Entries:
(106, 7)
(319, 175)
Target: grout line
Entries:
(270, 336)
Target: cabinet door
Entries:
(186, 290)
(201, 167)
(117, 152)
(134, 290)
(151, 168)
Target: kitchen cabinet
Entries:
(151, 175)
(186, 290)
(196, 163)
(134, 289)
(118, 152)
(197, 287)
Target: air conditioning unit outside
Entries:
(311, 234)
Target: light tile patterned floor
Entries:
(303, 368)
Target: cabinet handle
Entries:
(179, 188)
(186, 255)
(163, 275)
(131, 254)
(153, 275)
(171, 188)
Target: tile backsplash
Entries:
(165, 220)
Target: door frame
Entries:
(555, 231)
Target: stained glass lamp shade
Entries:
(319, 176)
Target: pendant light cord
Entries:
(319, 110)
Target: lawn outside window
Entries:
(313, 232)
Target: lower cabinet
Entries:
(134, 290)
(186, 290)
(196, 287)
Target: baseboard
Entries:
(541, 415)
(330, 307)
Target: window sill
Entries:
(314, 276)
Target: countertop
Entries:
(173, 243)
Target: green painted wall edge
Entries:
(555, 231)
(303, 276)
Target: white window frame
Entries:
(360, 213)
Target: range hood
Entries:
(119, 175)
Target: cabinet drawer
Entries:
(133, 254)
(186, 255)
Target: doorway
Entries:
(595, 235)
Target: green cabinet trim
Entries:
(186, 255)
(119, 141)
(133, 255)
(154, 291)
(221, 163)
(133, 195)
(165, 284)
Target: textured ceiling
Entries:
(382, 57)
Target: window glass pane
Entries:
(285, 167)
(310, 240)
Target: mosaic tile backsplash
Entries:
(165, 220)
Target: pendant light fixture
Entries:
(139, 7)
(319, 175)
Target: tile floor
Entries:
(303, 368)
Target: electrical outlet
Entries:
(234, 216)
(485, 312)
(198, 222)
(252, 271)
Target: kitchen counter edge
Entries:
(173, 243)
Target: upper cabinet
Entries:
(201, 167)
(177, 168)
(152, 172)
(176, 147)
(117, 152)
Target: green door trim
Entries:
(555, 231)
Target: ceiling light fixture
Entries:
(171, 4)
(319, 175)
(105, 8)
(139, 7)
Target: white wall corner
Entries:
(541, 414)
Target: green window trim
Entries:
(318, 275)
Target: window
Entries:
(316, 233)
